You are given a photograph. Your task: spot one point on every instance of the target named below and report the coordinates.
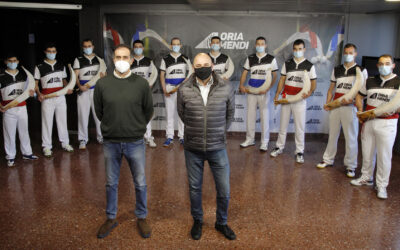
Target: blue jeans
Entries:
(219, 165)
(134, 152)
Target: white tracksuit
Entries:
(88, 68)
(294, 73)
(258, 66)
(11, 86)
(345, 116)
(378, 135)
(145, 68)
(176, 70)
(51, 78)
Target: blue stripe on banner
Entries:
(255, 83)
(82, 82)
(174, 81)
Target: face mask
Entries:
(12, 65)
(88, 51)
(298, 54)
(385, 70)
(138, 51)
(260, 49)
(348, 58)
(51, 56)
(176, 48)
(203, 73)
(122, 66)
(215, 47)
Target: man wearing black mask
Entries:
(206, 105)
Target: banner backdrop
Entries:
(323, 35)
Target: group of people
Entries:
(201, 99)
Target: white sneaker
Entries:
(362, 181)
(10, 163)
(47, 152)
(381, 193)
(68, 148)
(100, 140)
(247, 143)
(350, 173)
(151, 143)
(300, 158)
(264, 147)
(323, 164)
(82, 144)
(276, 151)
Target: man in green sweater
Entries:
(124, 105)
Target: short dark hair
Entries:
(10, 55)
(87, 40)
(176, 38)
(49, 45)
(215, 37)
(350, 45)
(261, 38)
(298, 42)
(386, 56)
(123, 46)
(138, 41)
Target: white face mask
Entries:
(122, 66)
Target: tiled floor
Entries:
(59, 203)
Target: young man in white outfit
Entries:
(52, 75)
(291, 82)
(13, 83)
(175, 68)
(86, 67)
(342, 80)
(259, 65)
(378, 133)
(144, 67)
(222, 63)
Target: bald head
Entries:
(202, 60)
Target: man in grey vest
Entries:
(206, 105)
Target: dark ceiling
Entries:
(324, 6)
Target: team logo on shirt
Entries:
(229, 40)
(295, 79)
(90, 73)
(53, 80)
(15, 92)
(260, 72)
(344, 86)
(380, 97)
(176, 71)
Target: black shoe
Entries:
(226, 231)
(196, 230)
(106, 228)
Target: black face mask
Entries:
(203, 73)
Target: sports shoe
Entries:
(100, 140)
(350, 173)
(300, 158)
(264, 147)
(181, 141)
(362, 181)
(381, 193)
(82, 144)
(323, 164)
(68, 148)
(106, 228)
(30, 157)
(144, 228)
(47, 152)
(11, 163)
(168, 142)
(247, 143)
(226, 231)
(276, 151)
(151, 143)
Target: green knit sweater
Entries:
(124, 107)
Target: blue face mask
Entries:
(138, 51)
(298, 54)
(12, 65)
(385, 70)
(215, 47)
(348, 58)
(88, 51)
(176, 48)
(51, 56)
(260, 49)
